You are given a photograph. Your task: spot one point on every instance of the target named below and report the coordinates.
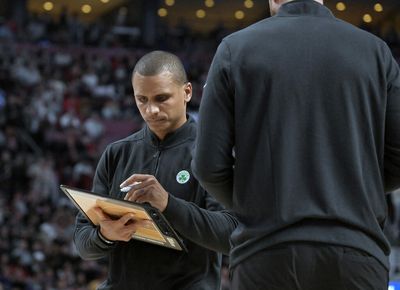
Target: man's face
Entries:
(161, 101)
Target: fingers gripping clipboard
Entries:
(156, 229)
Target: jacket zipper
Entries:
(158, 154)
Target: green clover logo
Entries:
(183, 176)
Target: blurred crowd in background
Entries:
(65, 92)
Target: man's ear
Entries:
(274, 6)
(275, 2)
(188, 92)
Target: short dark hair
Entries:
(158, 61)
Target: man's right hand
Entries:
(121, 229)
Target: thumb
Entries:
(126, 218)
(100, 213)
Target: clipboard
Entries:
(156, 231)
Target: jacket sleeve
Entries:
(213, 160)
(392, 132)
(86, 238)
(210, 227)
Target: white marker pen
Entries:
(126, 188)
(129, 187)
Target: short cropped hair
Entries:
(158, 61)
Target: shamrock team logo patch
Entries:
(183, 176)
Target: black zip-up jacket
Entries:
(311, 106)
(191, 211)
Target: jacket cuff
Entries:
(103, 239)
(174, 208)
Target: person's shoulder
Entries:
(130, 140)
(359, 32)
(249, 30)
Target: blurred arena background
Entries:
(65, 93)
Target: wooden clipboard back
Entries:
(155, 229)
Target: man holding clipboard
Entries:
(155, 164)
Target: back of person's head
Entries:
(156, 62)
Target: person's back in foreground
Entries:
(311, 106)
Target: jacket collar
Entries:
(174, 138)
(304, 8)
